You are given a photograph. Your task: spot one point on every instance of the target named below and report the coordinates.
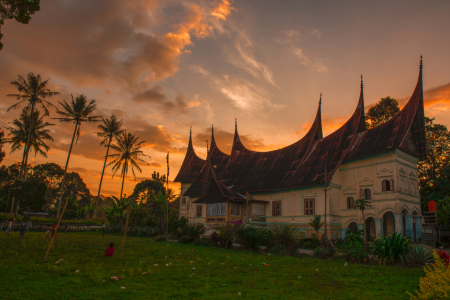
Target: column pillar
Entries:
(378, 228)
(418, 220)
(409, 225)
(398, 223)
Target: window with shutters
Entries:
(367, 194)
(391, 184)
(276, 208)
(235, 209)
(183, 200)
(350, 202)
(309, 206)
(386, 185)
(199, 210)
(258, 209)
(216, 209)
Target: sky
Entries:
(162, 66)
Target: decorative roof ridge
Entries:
(362, 119)
(214, 145)
(318, 121)
(188, 158)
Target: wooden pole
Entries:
(167, 227)
(124, 235)
(56, 230)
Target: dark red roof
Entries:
(192, 165)
(303, 163)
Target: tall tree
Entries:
(33, 91)
(30, 193)
(434, 171)
(2, 142)
(385, 109)
(110, 128)
(20, 10)
(362, 205)
(18, 133)
(129, 154)
(78, 111)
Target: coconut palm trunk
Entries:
(63, 182)
(123, 179)
(27, 145)
(101, 179)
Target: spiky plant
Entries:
(316, 223)
(420, 256)
(194, 231)
(392, 249)
(286, 235)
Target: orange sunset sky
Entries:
(165, 65)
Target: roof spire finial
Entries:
(362, 85)
(421, 62)
(235, 122)
(320, 100)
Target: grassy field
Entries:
(219, 274)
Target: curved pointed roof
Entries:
(303, 163)
(192, 164)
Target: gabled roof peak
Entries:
(318, 135)
(362, 119)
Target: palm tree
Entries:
(33, 91)
(18, 134)
(316, 224)
(78, 112)
(129, 152)
(362, 204)
(109, 129)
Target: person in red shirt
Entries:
(110, 251)
(54, 230)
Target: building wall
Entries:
(367, 173)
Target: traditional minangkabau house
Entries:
(287, 186)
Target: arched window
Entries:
(367, 194)
(350, 202)
(387, 185)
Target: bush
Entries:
(184, 239)
(324, 252)
(435, 285)
(391, 248)
(249, 237)
(225, 233)
(286, 235)
(161, 238)
(193, 231)
(353, 237)
(354, 252)
(309, 243)
(443, 211)
(419, 256)
(205, 242)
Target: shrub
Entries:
(354, 252)
(391, 248)
(324, 252)
(435, 285)
(184, 239)
(286, 235)
(251, 237)
(193, 231)
(444, 257)
(204, 241)
(443, 211)
(225, 233)
(419, 256)
(309, 243)
(353, 237)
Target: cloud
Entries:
(329, 125)
(437, 96)
(292, 39)
(93, 43)
(243, 94)
(155, 95)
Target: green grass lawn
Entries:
(219, 274)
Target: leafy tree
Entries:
(34, 91)
(110, 128)
(316, 224)
(30, 193)
(2, 142)
(362, 204)
(20, 10)
(385, 109)
(51, 174)
(434, 172)
(129, 153)
(8, 177)
(78, 112)
(443, 211)
(18, 133)
(144, 190)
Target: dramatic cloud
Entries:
(155, 95)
